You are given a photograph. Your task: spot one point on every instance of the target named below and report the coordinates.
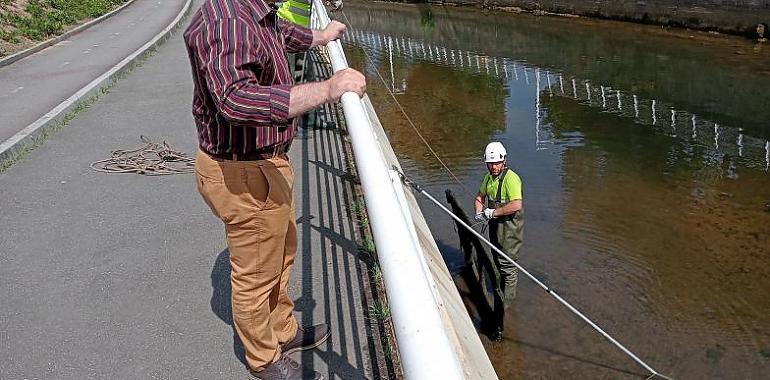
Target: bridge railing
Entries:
(423, 342)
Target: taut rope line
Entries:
(548, 290)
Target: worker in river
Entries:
(500, 202)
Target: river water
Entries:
(644, 155)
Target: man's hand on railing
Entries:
(333, 31)
(346, 80)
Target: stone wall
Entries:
(727, 16)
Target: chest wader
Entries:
(507, 234)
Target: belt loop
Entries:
(235, 155)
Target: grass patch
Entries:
(41, 19)
(10, 36)
(367, 250)
(359, 209)
(376, 274)
(387, 350)
(380, 311)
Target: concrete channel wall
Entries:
(462, 333)
(735, 17)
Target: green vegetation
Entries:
(367, 251)
(376, 274)
(40, 19)
(380, 311)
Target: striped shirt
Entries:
(237, 50)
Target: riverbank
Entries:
(741, 17)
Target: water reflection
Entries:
(729, 87)
(689, 238)
(646, 199)
(463, 111)
(420, 51)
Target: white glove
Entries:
(488, 213)
(479, 217)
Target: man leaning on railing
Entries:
(245, 105)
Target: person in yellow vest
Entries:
(500, 202)
(296, 11)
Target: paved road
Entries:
(34, 85)
(126, 277)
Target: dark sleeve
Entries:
(228, 53)
(297, 38)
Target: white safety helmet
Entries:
(495, 152)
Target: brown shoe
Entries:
(285, 369)
(307, 338)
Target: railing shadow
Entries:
(221, 305)
(334, 272)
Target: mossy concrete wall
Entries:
(735, 17)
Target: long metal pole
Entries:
(533, 278)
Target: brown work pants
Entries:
(254, 199)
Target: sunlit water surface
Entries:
(644, 156)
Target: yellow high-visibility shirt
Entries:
(296, 11)
(511, 190)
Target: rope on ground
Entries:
(151, 159)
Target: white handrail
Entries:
(424, 347)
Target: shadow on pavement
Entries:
(221, 303)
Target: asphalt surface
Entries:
(34, 85)
(124, 276)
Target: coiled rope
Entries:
(151, 159)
